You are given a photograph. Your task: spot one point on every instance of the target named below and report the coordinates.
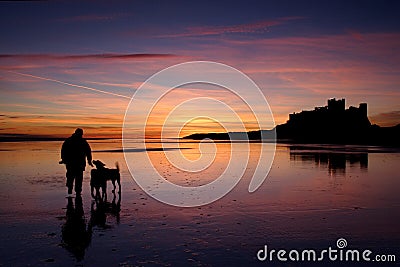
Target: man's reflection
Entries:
(76, 237)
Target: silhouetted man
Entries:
(74, 152)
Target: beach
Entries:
(312, 196)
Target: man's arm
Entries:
(63, 153)
(88, 152)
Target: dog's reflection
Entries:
(76, 237)
(101, 208)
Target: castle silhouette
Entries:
(334, 114)
(329, 124)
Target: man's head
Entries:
(78, 132)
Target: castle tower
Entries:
(336, 105)
(363, 109)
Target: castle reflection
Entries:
(334, 162)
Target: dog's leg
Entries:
(114, 198)
(119, 183)
(113, 182)
(118, 177)
(105, 192)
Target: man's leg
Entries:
(70, 179)
(78, 181)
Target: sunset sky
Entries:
(68, 64)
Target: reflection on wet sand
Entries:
(298, 206)
(101, 208)
(76, 237)
(334, 162)
(77, 233)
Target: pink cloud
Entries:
(260, 26)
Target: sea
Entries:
(314, 197)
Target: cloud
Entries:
(62, 124)
(140, 56)
(109, 119)
(391, 118)
(256, 27)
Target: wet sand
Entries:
(311, 198)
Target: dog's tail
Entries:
(117, 165)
